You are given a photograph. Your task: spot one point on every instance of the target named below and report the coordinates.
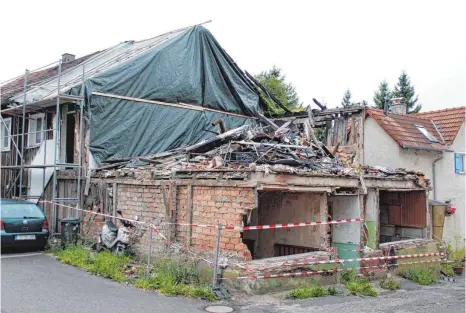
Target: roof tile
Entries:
(402, 129)
(448, 121)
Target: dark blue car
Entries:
(23, 224)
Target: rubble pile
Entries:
(257, 148)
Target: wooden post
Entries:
(115, 188)
(190, 214)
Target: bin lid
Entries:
(71, 220)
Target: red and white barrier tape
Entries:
(92, 212)
(353, 250)
(292, 225)
(384, 258)
(184, 249)
(307, 273)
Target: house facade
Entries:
(431, 142)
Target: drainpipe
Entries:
(433, 176)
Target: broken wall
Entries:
(286, 207)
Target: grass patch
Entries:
(103, 264)
(390, 284)
(174, 279)
(308, 292)
(357, 285)
(422, 276)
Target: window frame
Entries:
(461, 156)
(426, 133)
(32, 134)
(2, 127)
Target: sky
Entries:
(323, 47)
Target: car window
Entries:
(20, 210)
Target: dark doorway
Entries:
(70, 123)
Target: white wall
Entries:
(451, 186)
(381, 149)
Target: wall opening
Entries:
(403, 215)
(287, 207)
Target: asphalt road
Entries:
(34, 282)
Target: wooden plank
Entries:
(180, 105)
(190, 214)
(114, 194)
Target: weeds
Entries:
(422, 276)
(357, 285)
(447, 269)
(103, 264)
(174, 279)
(390, 284)
(332, 291)
(308, 292)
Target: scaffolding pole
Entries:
(81, 111)
(56, 145)
(25, 84)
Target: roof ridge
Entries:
(442, 110)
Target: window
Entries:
(459, 163)
(5, 131)
(36, 126)
(426, 133)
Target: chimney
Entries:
(398, 106)
(67, 57)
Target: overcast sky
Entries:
(323, 47)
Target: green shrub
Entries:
(390, 284)
(357, 285)
(361, 286)
(422, 276)
(447, 269)
(308, 292)
(332, 291)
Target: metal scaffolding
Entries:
(57, 164)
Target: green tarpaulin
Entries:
(190, 68)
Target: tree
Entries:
(346, 102)
(274, 81)
(404, 89)
(381, 94)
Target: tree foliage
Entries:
(404, 89)
(346, 102)
(381, 94)
(275, 83)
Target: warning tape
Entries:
(92, 212)
(353, 250)
(291, 225)
(307, 273)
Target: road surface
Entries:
(35, 282)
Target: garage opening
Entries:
(403, 215)
(276, 207)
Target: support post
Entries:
(150, 252)
(23, 130)
(56, 145)
(217, 252)
(81, 111)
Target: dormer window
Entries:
(426, 133)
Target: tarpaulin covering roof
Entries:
(190, 68)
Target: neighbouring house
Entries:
(431, 142)
(170, 129)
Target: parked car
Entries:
(22, 224)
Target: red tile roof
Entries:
(402, 129)
(448, 121)
(35, 78)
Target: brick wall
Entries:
(210, 205)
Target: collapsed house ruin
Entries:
(171, 130)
